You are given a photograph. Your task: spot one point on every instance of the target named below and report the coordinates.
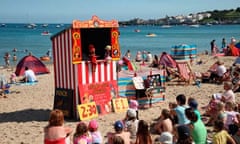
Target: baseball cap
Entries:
(118, 125)
(193, 104)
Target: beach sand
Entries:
(25, 111)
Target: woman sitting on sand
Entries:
(155, 62)
(55, 131)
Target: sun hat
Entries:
(183, 131)
(166, 138)
(93, 124)
(133, 104)
(108, 47)
(118, 125)
(217, 96)
(131, 113)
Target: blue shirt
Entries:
(180, 111)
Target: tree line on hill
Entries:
(231, 16)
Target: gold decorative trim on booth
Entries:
(95, 22)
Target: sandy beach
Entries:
(25, 111)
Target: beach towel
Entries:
(26, 83)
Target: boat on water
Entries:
(58, 26)
(44, 25)
(46, 33)
(31, 26)
(194, 25)
(3, 25)
(137, 30)
(166, 26)
(151, 35)
(45, 58)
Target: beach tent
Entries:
(33, 63)
(167, 60)
(234, 50)
(184, 52)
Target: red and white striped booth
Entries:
(74, 72)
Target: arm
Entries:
(236, 86)
(230, 139)
(68, 131)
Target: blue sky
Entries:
(64, 11)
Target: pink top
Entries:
(85, 139)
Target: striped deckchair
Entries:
(185, 72)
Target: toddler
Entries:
(81, 135)
(95, 134)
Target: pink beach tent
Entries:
(33, 63)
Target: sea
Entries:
(133, 38)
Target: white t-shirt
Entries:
(30, 76)
(221, 70)
(229, 96)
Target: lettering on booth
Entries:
(63, 100)
(87, 111)
(120, 104)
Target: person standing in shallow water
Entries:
(223, 43)
(214, 48)
(7, 59)
(128, 54)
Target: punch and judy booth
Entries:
(85, 59)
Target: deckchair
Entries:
(185, 72)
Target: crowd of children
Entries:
(180, 123)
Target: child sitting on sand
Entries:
(95, 134)
(218, 115)
(228, 95)
(211, 107)
(165, 123)
(231, 118)
(143, 133)
(119, 131)
(131, 123)
(221, 135)
(81, 135)
(13, 78)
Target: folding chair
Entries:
(185, 72)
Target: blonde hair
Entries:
(220, 105)
(228, 84)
